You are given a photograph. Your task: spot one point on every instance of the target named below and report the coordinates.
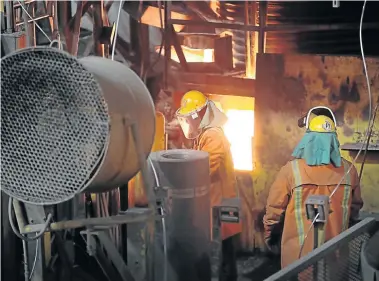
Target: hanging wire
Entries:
(116, 30)
(34, 261)
(368, 141)
(34, 21)
(58, 42)
(371, 120)
(157, 184)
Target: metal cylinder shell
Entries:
(66, 124)
(185, 176)
(129, 103)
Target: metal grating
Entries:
(54, 126)
(336, 260)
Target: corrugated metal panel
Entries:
(322, 42)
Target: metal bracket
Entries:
(113, 255)
(228, 212)
(129, 216)
(317, 205)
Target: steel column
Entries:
(262, 25)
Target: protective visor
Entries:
(190, 123)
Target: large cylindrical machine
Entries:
(185, 176)
(66, 125)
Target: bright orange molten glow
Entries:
(239, 129)
(192, 55)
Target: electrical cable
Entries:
(56, 41)
(368, 141)
(369, 124)
(116, 30)
(306, 235)
(157, 183)
(19, 235)
(34, 21)
(35, 261)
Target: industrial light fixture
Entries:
(336, 4)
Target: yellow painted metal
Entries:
(135, 185)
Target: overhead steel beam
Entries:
(278, 28)
(262, 25)
(178, 48)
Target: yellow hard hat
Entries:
(192, 101)
(322, 124)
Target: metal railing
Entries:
(337, 259)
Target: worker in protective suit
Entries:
(316, 170)
(202, 122)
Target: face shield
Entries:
(190, 123)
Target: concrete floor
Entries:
(257, 267)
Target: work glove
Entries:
(273, 247)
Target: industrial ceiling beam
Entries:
(275, 27)
(262, 25)
(178, 47)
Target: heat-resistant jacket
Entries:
(294, 183)
(223, 182)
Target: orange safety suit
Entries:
(294, 183)
(223, 181)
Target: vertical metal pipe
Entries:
(26, 260)
(248, 64)
(26, 25)
(167, 45)
(262, 24)
(55, 20)
(9, 15)
(76, 29)
(98, 23)
(32, 25)
(105, 22)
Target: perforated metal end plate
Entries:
(54, 126)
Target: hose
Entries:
(19, 235)
(371, 120)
